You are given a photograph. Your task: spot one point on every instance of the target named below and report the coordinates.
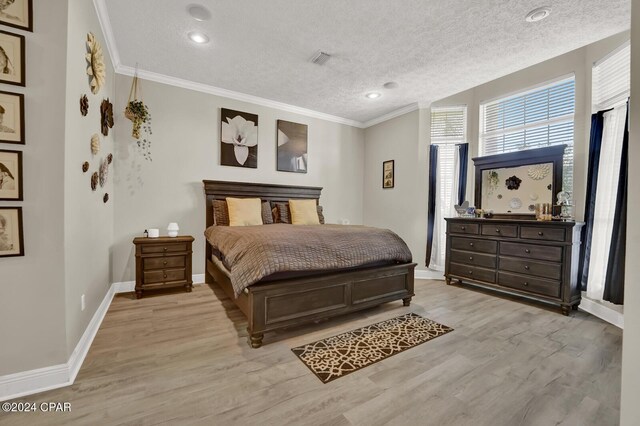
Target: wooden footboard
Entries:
(278, 304)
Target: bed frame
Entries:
(289, 302)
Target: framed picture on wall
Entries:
(12, 53)
(292, 147)
(388, 174)
(17, 14)
(11, 234)
(10, 175)
(11, 117)
(238, 138)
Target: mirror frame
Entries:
(552, 154)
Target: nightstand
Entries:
(163, 262)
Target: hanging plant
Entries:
(139, 114)
(492, 180)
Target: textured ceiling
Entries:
(432, 48)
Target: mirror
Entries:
(511, 184)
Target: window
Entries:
(611, 79)
(448, 131)
(535, 118)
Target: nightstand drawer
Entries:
(531, 251)
(548, 234)
(473, 272)
(531, 267)
(464, 228)
(529, 284)
(472, 244)
(164, 276)
(500, 230)
(164, 248)
(475, 259)
(164, 262)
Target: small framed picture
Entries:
(292, 147)
(11, 117)
(17, 14)
(12, 54)
(238, 138)
(388, 176)
(11, 234)
(10, 175)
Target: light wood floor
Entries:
(180, 358)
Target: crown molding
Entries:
(392, 114)
(119, 68)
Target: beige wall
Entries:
(88, 221)
(630, 409)
(32, 294)
(186, 150)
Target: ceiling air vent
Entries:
(320, 58)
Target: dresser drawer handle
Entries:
(541, 233)
(165, 249)
(164, 263)
(165, 275)
(463, 228)
(470, 272)
(526, 267)
(471, 244)
(497, 230)
(470, 257)
(527, 251)
(526, 283)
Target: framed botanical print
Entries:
(12, 54)
(238, 138)
(11, 234)
(10, 175)
(388, 176)
(292, 147)
(17, 14)
(11, 117)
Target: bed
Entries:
(294, 299)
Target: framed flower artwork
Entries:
(238, 138)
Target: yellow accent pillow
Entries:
(304, 212)
(244, 211)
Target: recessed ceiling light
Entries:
(538, 14)
(198, 37)
(390, 85)
(373, 95)
(199, 12)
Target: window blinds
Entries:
(534, 119)
(611, 79)
(448, 125)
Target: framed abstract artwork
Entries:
(388, 174)
(10, 175)
(238, 138)
(12, 54)
(17, 14)
(292, 147)
(11, 233)
(11, 117)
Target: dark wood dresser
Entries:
(529, 258)
(163, 262)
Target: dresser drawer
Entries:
(472, 272)
(531, 267)
(500, 230)
(540, 233)
(464, 228)
(163, 262)
(529, 284)
(164, 248)
(472, 244)
(473, 259)
(164, 276)
(531, 251)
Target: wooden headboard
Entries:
(219, 190)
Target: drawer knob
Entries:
(526, 284)
(165, 249)
(463, 228)
(164, 263)
(497, 230)
(541, 233)
(165, 275)
(527, 251)
(526, 267)
(471, 244)
(470, 257)
(470, 272)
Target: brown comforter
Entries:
(252, 253)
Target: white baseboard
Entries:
(56, 376)
(603, 312)
(429, 274)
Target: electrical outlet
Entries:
(82, 304)
(345, 221)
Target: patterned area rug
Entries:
(345, 353)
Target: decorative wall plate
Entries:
(85, 167)
(539, 171)
(95, 144)
(533, 196)
(513, 183)
(110, 158)
(103, 172)
(105, 198)
(106, 116)
(94, 181)
(95, 68)
(515, 203)
(84, 105)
